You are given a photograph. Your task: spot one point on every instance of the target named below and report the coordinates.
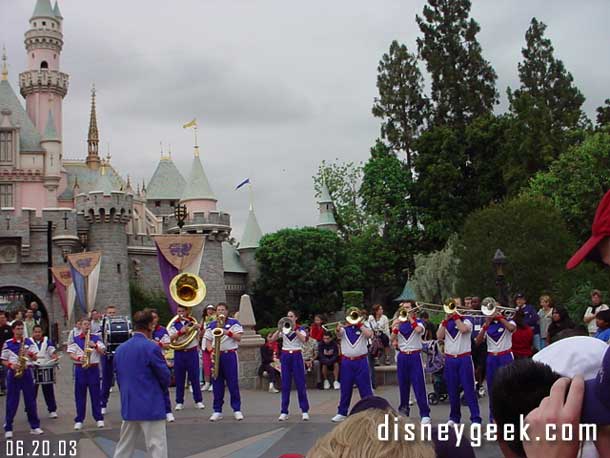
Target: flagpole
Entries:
(251, 194)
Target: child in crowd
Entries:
(603, 325)
(328, 355)
(270, 363)
(310, 349)
(316, 331)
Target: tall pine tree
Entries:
(603, 114)
(401, 104)
(547, 107)
(463, 82)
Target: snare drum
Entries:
(44, 374)
(116, 330)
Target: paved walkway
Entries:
(260, 435)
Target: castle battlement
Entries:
(98, 207)
(33, 81)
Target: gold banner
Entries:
(62, 275)
(180, 250)
(84, 263)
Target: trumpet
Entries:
(285, 325)
(331, 327)
(489, 307)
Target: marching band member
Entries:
(45, 353)
(107, 363)
(498, 331)
(228, 370)
(161, 337)
(354, 364)
(87, 378)
(293, 367)
(186, 361)
(456, 332)
(410, 369)
(206, 357)
(10, 359)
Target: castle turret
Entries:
(165, 188)
(107, 211)
(198, 195)
(43, 85)
(52, 164)
(248, 246)
(327, 208)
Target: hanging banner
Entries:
(85, 270)
(65, 289)
(178, 253)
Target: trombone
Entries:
(353, 316)
(285, 326)
(489, 307)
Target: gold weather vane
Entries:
(193, 124)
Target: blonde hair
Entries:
(357, 436)
(546, 298)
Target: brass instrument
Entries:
(285, 325)
(331, 327)
(187, 290)
(354, 316)
(218, 332)
(22, 363)
(489, 307)
(403, 314)
(88, 350)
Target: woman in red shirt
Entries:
(523, 338)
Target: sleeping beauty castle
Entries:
(52, 208)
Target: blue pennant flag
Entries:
(243, 183)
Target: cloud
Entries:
(277, 86)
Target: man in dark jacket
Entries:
(142, 376)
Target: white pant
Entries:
(155, 438)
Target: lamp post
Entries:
(180, 212)
(499, 261)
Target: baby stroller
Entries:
(435, 362)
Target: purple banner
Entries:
(168, 271)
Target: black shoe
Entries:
(2, 393)
(320, 386)
(404, 411)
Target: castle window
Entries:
(157, 203)
(172, 203)
(6, 146)
(44, 23)
(118, 268)
(6, 195)
(44, 65)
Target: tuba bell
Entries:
(187, 290)
(285, 325)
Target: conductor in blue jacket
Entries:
(142, 376)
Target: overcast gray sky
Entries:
(277, 86)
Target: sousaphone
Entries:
(187, 290)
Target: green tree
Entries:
(603, 114)
(547, 107)
(577, 181)
(458, 171)
(386, 196)
(304, 269)
(401, 104)
(463, 82)
(435, 276)
(343, 181)
(534, 237)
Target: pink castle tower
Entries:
(42, 85)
